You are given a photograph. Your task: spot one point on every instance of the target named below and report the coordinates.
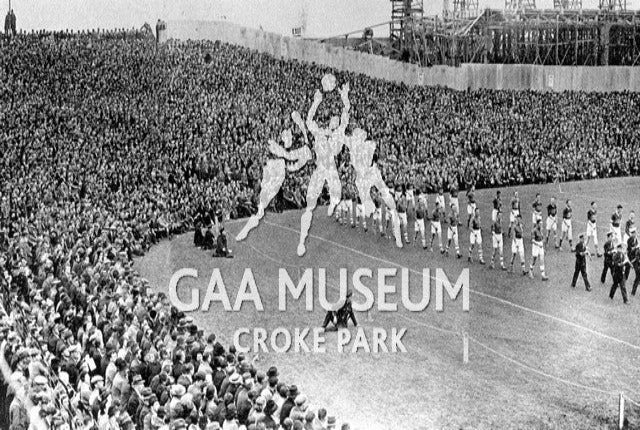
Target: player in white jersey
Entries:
(452, 231)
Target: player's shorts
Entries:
(452, 232)
(411, 199)
(513, 215)
(388, 215)
(567, 227)
(454, 201)
(418, 226)
(496, 239)
(517, 246)
(537, 249)
(377, 214)
(436, 227)
(494, 214)
(471, 208)
(403, 218)
(348, 205)
(592, 229)
(552, 223)
(475, 237)
(617, 234)
(535, 216)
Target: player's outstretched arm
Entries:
(344, 118)
(311, 124)
(301, 157)
(278, 150)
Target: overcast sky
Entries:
(324, 18)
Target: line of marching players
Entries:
(621, 249)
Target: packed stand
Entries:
(111, 144)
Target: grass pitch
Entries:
(541, 354)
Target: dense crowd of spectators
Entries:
(110, 144)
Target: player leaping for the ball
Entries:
(327, 144)
(274, 172)
(368, 175)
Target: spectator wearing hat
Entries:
(230, 421)
(320, 421)
(257, 414)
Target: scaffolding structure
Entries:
(567, 4)
(567, 35)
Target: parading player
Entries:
(497, 206)
(401, 205)
(517, 244)
(552, 220)
(471, 204)
(567, 226)
(440, 198)
(452, 231)
(592, 228)
(496, 240)
(536, 214)
(628, 225)
(436, 227)
(475, 237)
(453, 196)
(418, 224)
(377, 214)
(616, 219)
(537, 249)
(515, 211)
(360, 214)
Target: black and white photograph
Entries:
(319, 215)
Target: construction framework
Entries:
(519, 34)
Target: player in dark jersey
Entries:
(552, 221)
(592, 228)
(436, 227)
(496, 239)
(453, 197)
(536, 214)
(515, 211)
(475, 237)
(517, 244)
(628, 225)
(537, 249)
(616, 219)
(471, 204)
(452, 231)
(401, 206)
(567, 226)
(497, 206)
(421, 214)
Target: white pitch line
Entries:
(485, 295)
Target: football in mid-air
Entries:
(328, 83)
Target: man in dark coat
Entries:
(619, 262)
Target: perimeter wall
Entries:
(474, 76)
